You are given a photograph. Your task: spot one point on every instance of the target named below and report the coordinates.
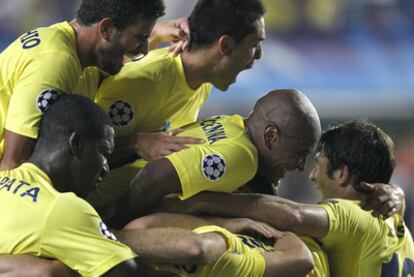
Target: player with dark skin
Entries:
(284, 127)
(103, 40)
(74, 156)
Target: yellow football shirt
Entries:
(145, 96)
(361, 245)
(42, 222)
(34, 69)
(224, 163)
(319, 256)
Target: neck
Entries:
(85, 43)
(196, 67)
(52, 167)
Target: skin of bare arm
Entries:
(281, 213)
(173, 245)
(17, 149)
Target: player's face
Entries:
(245, 53)
(130, 42)
(95, 162)
(319, 175)
(289, 155)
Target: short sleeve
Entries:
(47, 75)
(220, 168)
(75, 235)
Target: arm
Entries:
(234, 225)
(290, 257)
(25, 265)
(176, 30)
(150, 146)
(17, 149)
(157, 179)
(173, 245)
(383, 199)
(281, 213)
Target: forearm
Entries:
(25, 265)
(124, 149)
(172, 245)
(276, 211)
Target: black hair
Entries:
(72, 113)
(364, 148)
(211, 19)
(122, 12)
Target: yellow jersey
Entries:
(43, 222)
(148, 95)
(361, 245)
(34, 70)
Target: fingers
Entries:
(385, 210)
(367, 187)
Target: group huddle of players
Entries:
(105, 169)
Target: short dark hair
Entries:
(364, 148)
(122, 12)
(68, 114)
(211, 19)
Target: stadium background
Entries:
(353, 58)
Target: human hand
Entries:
(383, 199)
(151, 146)
(176, 31)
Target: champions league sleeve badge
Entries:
(213, 167)
(121, 113)
(46, 98)
(105, 231)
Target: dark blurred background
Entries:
(353, 58)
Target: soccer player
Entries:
(161, 92)
(275, 138)
(245, 256)
(357, 243)
(43, 63)
(43, 217)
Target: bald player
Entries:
(357, 243)
(275, 138)
(161, 92)
(66, 57)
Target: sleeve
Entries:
(239, 259)
(75, 235)
(347, 222)
(132, 102)
(220, 168)
(42, 80)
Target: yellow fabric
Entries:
(41, 59)
(42, 222)
(361, 245)
(320, 258)
(242, 258)
(154, 89)
(228, 142)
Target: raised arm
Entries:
(281, 213)
(176, 31)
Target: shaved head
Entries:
(291, 111)
(285, 128)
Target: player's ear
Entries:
(226, 45)
(107, 29)
(341, 175)
(271, 136)
(75, 145)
